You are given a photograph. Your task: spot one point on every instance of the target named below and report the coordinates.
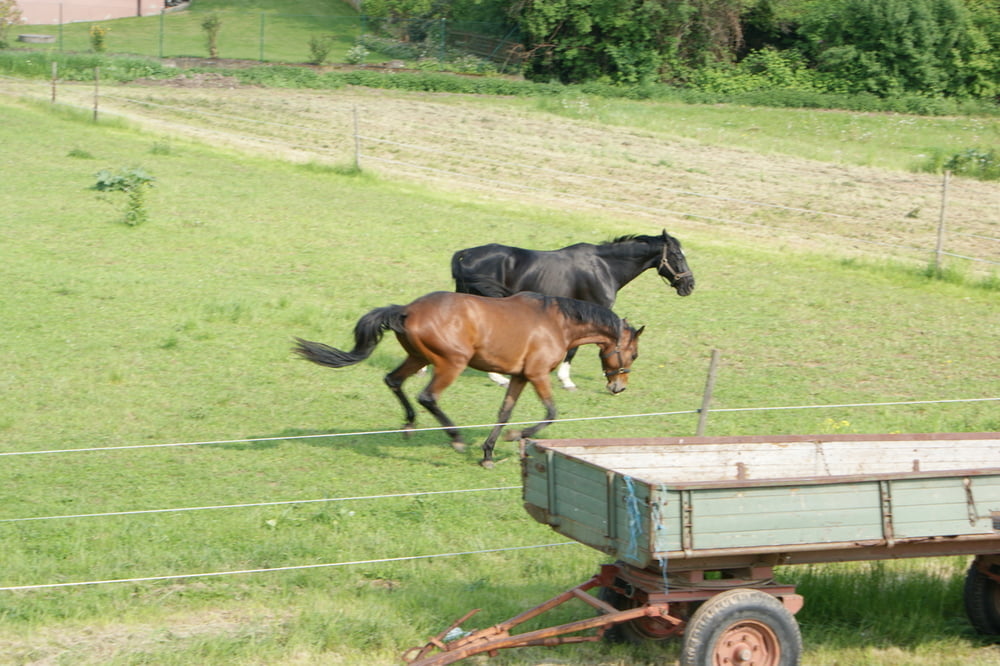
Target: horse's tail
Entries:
(367, 334)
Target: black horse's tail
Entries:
(367, 334)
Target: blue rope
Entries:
(634, 519)
(660, 527)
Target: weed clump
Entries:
(133, 182)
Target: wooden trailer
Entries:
(696, 525)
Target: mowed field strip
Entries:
(512, 148)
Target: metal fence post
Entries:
(261, 58)
(444, 37)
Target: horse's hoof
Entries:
(488, 464)
(458, 446)
(512, 435)
(407, 430)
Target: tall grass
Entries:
(178, 331)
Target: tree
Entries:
(629, 41)
(10, 15)
(888, 47)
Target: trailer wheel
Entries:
(640, 630)
(742, 627)
(982, 599)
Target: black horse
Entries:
(583, 271)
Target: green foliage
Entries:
(319, 48)
(10, 15)
(393, 48)
(890, 47)
(627, 42)
(80, 66)
(98, 38)
(134, 182)
(357, 54)
(212, 24)
(977, 163)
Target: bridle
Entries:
(665, 266)
(620, 371)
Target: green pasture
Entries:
(178, 332)
(268, 31)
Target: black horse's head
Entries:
(674, 267)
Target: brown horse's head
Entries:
(617, 357)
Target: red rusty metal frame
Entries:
(652, 604)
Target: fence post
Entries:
(444, 42)
(706, 397)
(163, 12)
(941, 218)
(97, 86)
(55, 70)
(261, 56)
(357, 143)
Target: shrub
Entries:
(357, 54)
(211, 25)
(134, 182)
(976, 163)
(319, 49)
(98, 37)
(10, 15)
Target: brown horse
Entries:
(524, 336)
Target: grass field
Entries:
(273, 31)
(178, 331)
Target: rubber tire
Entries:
(982, 600)
(634, 632)
(728, 616)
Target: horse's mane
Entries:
(632, 237)
(583, 311)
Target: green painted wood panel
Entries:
(786, 515)
(932, 507)
(645, 518)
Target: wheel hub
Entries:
(747, 644)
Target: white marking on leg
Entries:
(563, 375)
(499, 379)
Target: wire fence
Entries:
(329, 565)
(519, 162)
(850, 210)
(921, 218)
(264, 36)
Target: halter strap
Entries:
(620, 370)
(665, 265)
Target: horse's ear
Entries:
(639, 331)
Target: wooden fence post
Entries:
(357, 143)
(706, 397)
(97, 87)
(941, 218)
